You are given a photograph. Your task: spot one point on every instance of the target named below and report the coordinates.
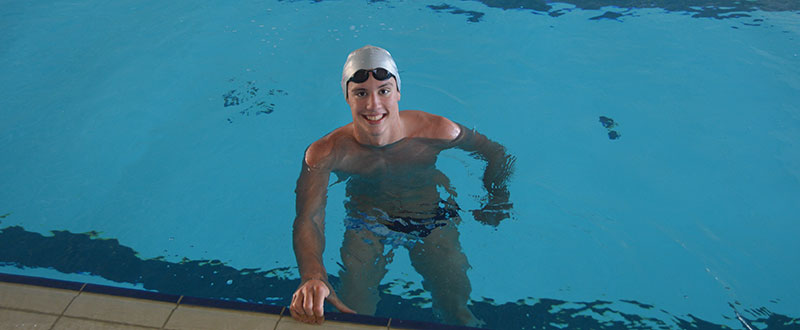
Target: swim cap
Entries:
(368, 57)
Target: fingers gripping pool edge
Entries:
(308, 301)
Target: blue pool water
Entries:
(156, 145)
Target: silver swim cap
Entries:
(368, 57)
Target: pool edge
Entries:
(275, 310)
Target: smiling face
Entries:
(376, 116)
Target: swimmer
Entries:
(387, 158)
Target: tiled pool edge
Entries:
(214, 303)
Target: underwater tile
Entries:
(40, 281)
(419, 325)
(356, 318)
(235, 305)
(131, 293)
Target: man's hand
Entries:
(492, 214)
(307, 302)
(496, 209)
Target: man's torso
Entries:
(398, 180)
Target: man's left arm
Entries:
(499, 168)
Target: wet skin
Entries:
(389, 158)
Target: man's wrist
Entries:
(318, 273)
(498, 193)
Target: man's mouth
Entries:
(374, 119)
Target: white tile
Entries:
(35, 298)
(120, 309)
(288, 323)
(23, 320)
(193, 317)
(67, 323)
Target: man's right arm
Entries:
(309, 224)
(309, 238)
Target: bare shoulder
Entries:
(428, 125)
(322, 153)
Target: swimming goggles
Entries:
(362, 75)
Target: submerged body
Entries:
(388, 158)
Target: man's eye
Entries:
(360, 94)
(384, 91)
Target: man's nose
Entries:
(373, 101)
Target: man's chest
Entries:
(394, 161)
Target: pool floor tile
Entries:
(23, 320)
(120, 309)
(34, 298)
(68, 323)
(193, 317)
(288, 323)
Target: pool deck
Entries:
(38, 303)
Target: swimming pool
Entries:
(156, 145)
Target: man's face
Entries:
(373, 104)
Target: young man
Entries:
(388, 157)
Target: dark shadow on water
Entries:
(473, 16)
(86, 253)
(700, 8)
(717, 9)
